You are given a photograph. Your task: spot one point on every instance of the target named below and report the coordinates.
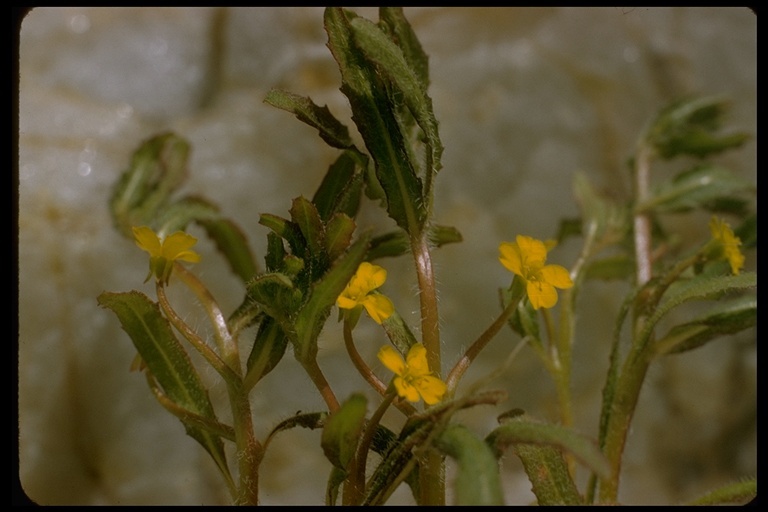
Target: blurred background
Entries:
(525, 98)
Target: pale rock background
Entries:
(525, 97)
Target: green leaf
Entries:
(340, 190)
(275, 253)
(374, 115)
(524, 430)
(177, 215)
(156, 169)
(153, 337)
(268, 349)
(727, 317)
(287, 230)
(305, 216)
(603, 221)
(391, 62)
(338, 235)
(477, 481)
(611, 268)
(700, 287)
(276, 295)
(393, 21)
(331, 129)
(695, 188)
(232, 243)
(398, 332)
(736, 493)
(310, 420)
(323, 295)
(342, 431)
(396, 243)
(688, 127)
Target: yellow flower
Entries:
(726, 244)
(414, 380)
(358, 292)
(526, 257)
(163, 254)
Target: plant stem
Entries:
(642, 221)
(622, 409)
(355, 485)
(210, 356)
(227, 345)
(249, 451)
(461, 366)
(366, 371)
(316, 374)
(432, 472)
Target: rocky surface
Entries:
(525, 97)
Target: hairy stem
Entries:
(431, 476)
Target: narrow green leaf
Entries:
(285, 229)
(338, 235)
(312, 316)
(331, 129)
(396, 243)
(603, 221)
(734, 493)
(391, 244)
(268, 349)
(179, 214)
(340, 190)
(548, 472)
(310, 420)
(700, 287)
(157, 167)
(393, 21)
(523, 430)
(477, 481)
(275, 252)
(305, 216)
(727, 317)
(342, 430)
(610, 268)
(373, 113)
(398, 332)
(153, 337)
(391, 62)
(233, 244)
(335, 479)
(695, 188)
(689, 126)
(276, 295)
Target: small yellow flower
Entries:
(526, 257)
(414, 380)
(163, 254)
(726, 244)
(358, 292)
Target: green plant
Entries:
(319, 258)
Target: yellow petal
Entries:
(379, 307)
(556, 276)
(541, 295)
(405, 390)
(430, 388)
(510, 257)
(391, 359)
(344, 302)
(147, 240)
(416, 360)
(533, 252)
(176, 247)
(371, 276)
